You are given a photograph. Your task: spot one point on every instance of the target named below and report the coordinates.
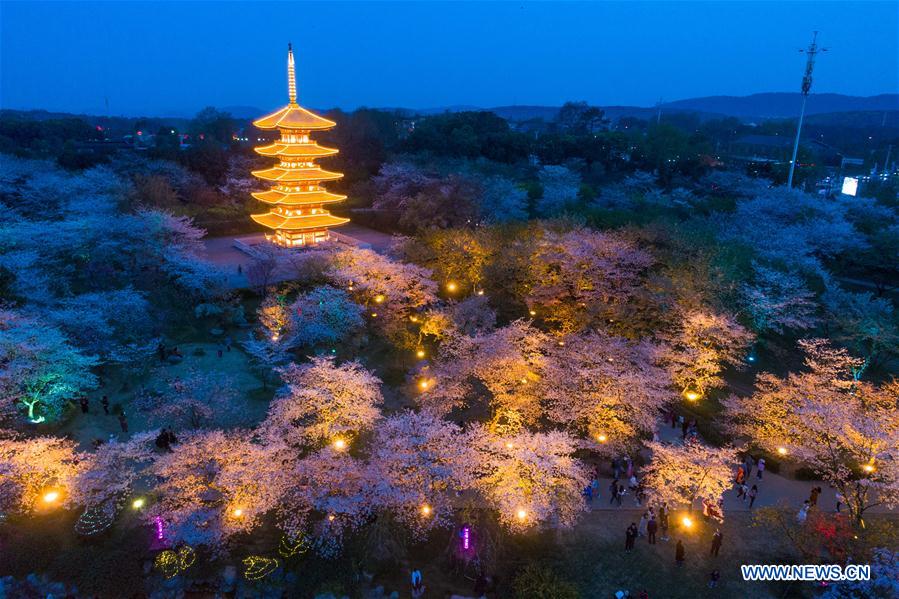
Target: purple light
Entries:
(466, 538)
(158, 521)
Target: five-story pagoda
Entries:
(297, 198)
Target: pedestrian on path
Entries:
(716, 543)
(840, 501)
(588, 494)
(679, 553)
(803, 513)
(742, 492)
(663, 524)
(594, 487)
(813, 496)
(651, 527)
(123, 422)
(673, 418)
(741, 475)
(613, 492)
(644, 521)
(753, 492)
(748, 465)
(761, 467)
(714, 576)
(629, 537)
(683, 427)
(621, 493)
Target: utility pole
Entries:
(811, 52)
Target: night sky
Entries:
(174, 58)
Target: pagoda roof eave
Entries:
(281, 174)
(294, 116)
(309, 150)
(297, 198)
(298, 223)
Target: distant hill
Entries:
(784, 105)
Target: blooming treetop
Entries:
(531, 479)
(31, 469)
(698, 347)
(778, 300)
(323, 403)
(681, 474)
(110, 472)
(607, 388)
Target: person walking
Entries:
(104, 401)
(588, 494)
(813, 496)
(613, 492)
(673, 418)
(714, 577)
(716, 543)
(761, 467)
(629, 537)
(753, 492)
(748, 465)
(84, 405)
(679, 553)
(742, 492)
(123, 422)
(594, 487)
(641, 528)
(840, 501)
(651, 527)
(621, 493)
(683, 427)
(741, 475)
(803, 513)
(417, 587)
(663, 523)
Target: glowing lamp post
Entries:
(50, 497)
(522, 514)
(425, 510)
(138, 503)
(452, 287)
(339, 444)
(782, 451)
(237, 512)
(691, 395)
(687, 522)
(420, 353)
(601, 438)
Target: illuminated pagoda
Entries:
(296, 197)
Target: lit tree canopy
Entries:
(845, 429)
(681, 474)
(777, 301)
(40, 370)
(32, 468)
(324, 402)
(324, 315)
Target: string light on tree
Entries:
(258, 567)
(289, 548)
(94, 520)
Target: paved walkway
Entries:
(221, 251)
(773, 489)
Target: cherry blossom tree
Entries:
(681, 474)
(699, 346)
(845, 429)
(216, 484)
(324, 315)
(323, 403)
(778, 301)
(507, 362)
(581, 274)
(37, 473)
(40, 370)
(531, 479)
(502, 200)
(560, 187)
(331, 493)
(421, 462)
(110, 472)
(606, 388)
(473, 315)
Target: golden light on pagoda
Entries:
(296, 196)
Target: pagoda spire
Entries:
(291, 76)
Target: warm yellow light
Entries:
(379, 298)
(237, 512)
(374, 314)
(339, 444)
(602, 438)
(687, 522)
(420, 353)
(51, 496)
(480, 292)
(275, 337)
(451, 287)
(782, 450)
(532, 312)
(691, 395)
(561, 343)
(523, 380)
(868, 468)
(413, 318)
(138, 503)
(330, 517)
(522, 514)
(425, 510)
(509, 445)
(423, 384)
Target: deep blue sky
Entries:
(176, 57)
